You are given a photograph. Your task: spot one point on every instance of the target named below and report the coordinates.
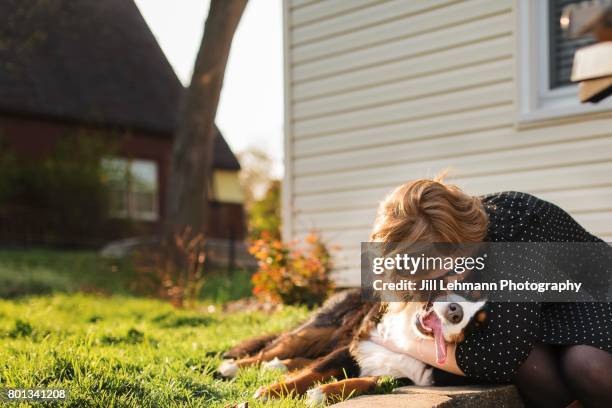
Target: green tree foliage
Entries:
(256, 173)
(264, 214)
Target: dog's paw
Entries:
(262, 394)
(315, 397)
(266, 393)
(424, 377)
(228, 369)
(275, 364)
(244, 404)
(273, 391)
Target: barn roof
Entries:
(91, 62)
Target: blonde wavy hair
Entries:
(429, 210)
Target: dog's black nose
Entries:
(454, 313)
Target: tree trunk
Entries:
(192, 150)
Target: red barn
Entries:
(70, 66)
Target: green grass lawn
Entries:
(122, 350)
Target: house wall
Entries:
(381, 92)
(33, 138)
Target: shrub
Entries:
(292, 273)
(7, 166)
(174, 270)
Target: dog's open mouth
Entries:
(429, 324)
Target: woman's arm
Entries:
(423, 350)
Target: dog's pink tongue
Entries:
(433, 322)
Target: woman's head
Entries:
(428, 210)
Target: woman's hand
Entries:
(422, 349)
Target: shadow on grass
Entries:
(133, 336)
(187, 321)
(40, 272)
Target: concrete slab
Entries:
(502, 396)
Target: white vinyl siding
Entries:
(381, 92)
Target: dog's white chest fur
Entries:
(377, 360)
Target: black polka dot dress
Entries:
(495, 353)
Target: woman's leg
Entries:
(539, 379)
(588, 372)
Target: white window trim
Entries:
(536, 101)
(143, 215)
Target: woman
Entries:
(555, 353)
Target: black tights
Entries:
(555, 376)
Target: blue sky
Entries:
(251, 106)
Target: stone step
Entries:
(485, 396)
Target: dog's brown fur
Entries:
(317, 350)
(331, 327)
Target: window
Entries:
(545, 58)
(133, 188)
(226, 187)
(562, 48)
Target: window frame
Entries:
(130, 211)
(536, 101)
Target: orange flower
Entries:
(311, 239)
